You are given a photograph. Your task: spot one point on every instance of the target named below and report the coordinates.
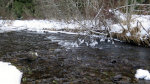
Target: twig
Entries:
(98, 12)
(132, 5)
(143, 27)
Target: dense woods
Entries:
(59, 9)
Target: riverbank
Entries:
(137, 32)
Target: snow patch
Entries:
(9, 74)
(128, 34)
(35, 25)
(140, 21)
(43, 25)
(142, 74)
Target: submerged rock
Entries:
(117, 77)
(113, 61)
(31, 56)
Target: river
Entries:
(59, 58)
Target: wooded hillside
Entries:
(59, 9)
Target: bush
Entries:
(21, 7)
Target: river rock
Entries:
(57, 50)
(32, 56)
(117, 77)
(113, 61)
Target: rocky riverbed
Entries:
(44, 59)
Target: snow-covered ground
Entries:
(34, 25)
(9, 74)
(142, 74)
(42, 25)
(137, 21)
(140, 21)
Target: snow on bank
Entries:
(137, 21)
(142, 21)
(9, 74)
(42, 25)
(142, 74)
(34, 25)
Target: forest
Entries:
(59, 9)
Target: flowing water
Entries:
(58, 58)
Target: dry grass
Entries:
(135, 32)
(133, 39)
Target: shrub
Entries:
(21, 7)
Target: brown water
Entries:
(63, 59)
